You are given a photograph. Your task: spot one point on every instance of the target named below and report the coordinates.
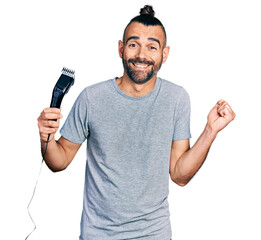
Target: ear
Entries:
(165, 54)
(120, 48)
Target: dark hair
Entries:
(147, 18)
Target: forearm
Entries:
(191, 161)
(185, 161)
(55, 157)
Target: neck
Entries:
(133, 89)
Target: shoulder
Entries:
(98, 88)
(171, 89)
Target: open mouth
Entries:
(140, 65)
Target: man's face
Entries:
(143, 51)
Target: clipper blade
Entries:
(68, 72)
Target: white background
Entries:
(215, 53)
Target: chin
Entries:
(140, 77)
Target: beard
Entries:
(141, 76)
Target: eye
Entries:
(152, 48)
(132, 45)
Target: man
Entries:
(137, 131)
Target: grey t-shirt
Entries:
(128, 156)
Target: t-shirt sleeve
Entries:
(182, 117)
(75, 128)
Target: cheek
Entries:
(128, 53)
(158, 59)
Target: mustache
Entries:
(138, 60)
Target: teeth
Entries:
(141, 65)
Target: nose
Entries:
(141, 52)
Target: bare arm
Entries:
(186, 161)
(59, 153)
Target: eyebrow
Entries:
(155, 40)
(136, 38)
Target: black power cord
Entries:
(35, 188)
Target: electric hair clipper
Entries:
(62, 86)
(65, 81)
